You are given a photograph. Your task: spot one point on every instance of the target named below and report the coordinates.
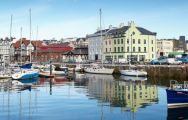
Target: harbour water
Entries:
(88, 97)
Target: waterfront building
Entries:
(171, 47)
(52, 52)
(164, 47)
(20, 50)
(51, 41)
(4, 50)
(130, 41)
(95, 45)
(81, 42)
(78, 54)
(186, 46)
(180, 44)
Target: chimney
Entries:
(182, 38)
(121, 25)
(110, 27)
(131, 24)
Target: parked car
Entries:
(173, 61)
(183, 60)
(154, 62)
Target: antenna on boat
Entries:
(30, 33)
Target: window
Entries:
(133, 41)
(121, 41)
(127, 41)
(114, 49)
(118, 41)
(144, 41)
(122, 49)
(139, 49)
(133, 49)
(114, 41)
(151, 41)
(106, 50)
(144, 49)
(152, 49)
(110, 49)
(110, 42)
(138, 41)
(118, 49)
(106, 42)
(127, 49)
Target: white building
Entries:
(4, 51)
(164, 47)
(95, 45)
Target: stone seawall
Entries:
(154, 71)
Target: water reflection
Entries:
(129, 95)
(177, 113)
(60, 98)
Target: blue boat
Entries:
(26, 66)
(25, 74)
(177, 94)
(178, 113)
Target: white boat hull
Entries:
(133, 73)
(4, 76)
(99, 70)
(56, 72)
(27, 74)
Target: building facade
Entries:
(95, 45)
(52, 52)
(4, 51)
(21, 49)
(130, 43)
(164, 47)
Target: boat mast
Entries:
(10, 35)
(101, 35)
(30, 34)
(10, 27)
(36, 44)
(21, 44)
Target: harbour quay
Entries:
(154, 71)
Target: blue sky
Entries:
(76, 18)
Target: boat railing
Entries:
(175, 85)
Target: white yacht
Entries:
(96, 69)
(132, 72)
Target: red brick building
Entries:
(51, 52)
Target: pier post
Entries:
(50, 67)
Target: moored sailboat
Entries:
(96, 68)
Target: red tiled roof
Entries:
(26, 42)
(37, 43)
(55, 48)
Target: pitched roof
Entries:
(99, 31)
(125, 28)
(55, 48)
(145, 31)
(119, 30)
(26, 42)
(37, 43)
(77, 51)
